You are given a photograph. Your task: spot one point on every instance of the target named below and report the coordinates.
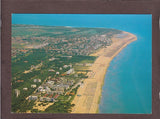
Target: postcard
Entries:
(81, 63)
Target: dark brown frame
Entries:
(77, 7)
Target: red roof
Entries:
(56, 96)
(20, 80)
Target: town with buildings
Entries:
(49, 64)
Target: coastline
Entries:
(91, 91)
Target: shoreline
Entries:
(91, 92)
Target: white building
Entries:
(70, 65)
(17, 92)
(50, 83)
(70, 71)
(65, 66)
(46, 99)
(51, 70)
(40, 88)
(57, 72)
(33, 86)
(37, 80)
(51, 59)
(88, 64)
(66, 86)
(33, 97)
(25, 89)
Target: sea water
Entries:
(127, 85)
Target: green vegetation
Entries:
(49, 52)
(63, 106)
(60, 107)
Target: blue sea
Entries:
(128, 81)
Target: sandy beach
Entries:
(90, 92)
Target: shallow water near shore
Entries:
(128, 81)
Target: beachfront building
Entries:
(46, 99)
(32, 97)
(47, 89)
(66, 87)
(88, 64)
(50, 83)
(43, 89)
(58, 88)
(71, 71)
(40, 89)
(55, 92)
(70, 82)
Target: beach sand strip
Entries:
(91, 91)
